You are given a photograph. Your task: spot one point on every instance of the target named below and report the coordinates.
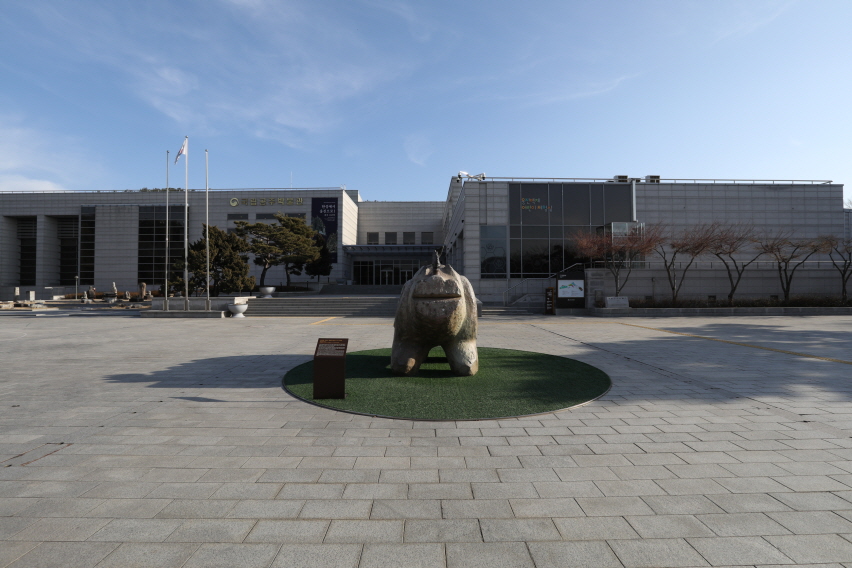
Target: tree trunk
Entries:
(263, 275)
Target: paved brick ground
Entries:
(138, 442)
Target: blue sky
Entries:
(392, 97)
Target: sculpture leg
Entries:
(463, 357)
(407, 356)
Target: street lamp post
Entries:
(76, 282)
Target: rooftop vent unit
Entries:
(652, 179)
(621, 179)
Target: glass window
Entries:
(555, 196)
(151, 243)
(597, 208)
(557, 254)
(492, 255)
(390, 238)
(237, 216)
(619, 202)
(372, 238)
(26, 233)
(87, 245)
(493, 258)
(516, 261)
(408, 238)
(536, 257)
(536, 232)
(575, 206)
(514, 204)
(395, 272)
(427, 238)
(264, 216)
(492, 232)
(534, 204)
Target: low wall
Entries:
(700, 283)
(218, 303)
(711, 312)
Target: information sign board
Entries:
(617, 302)
(330, 368)
(549, 301)
(570, 289)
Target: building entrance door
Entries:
(405, 276)
(387, 277)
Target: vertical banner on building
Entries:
(324, 220)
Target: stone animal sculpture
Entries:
(436, 307)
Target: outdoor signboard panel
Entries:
(330, 368)
(324, 220)
(570, 289)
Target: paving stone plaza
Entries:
(170, 443)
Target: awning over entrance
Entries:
(415, 251)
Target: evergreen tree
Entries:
(296, 241)
(262, 240)
(228, 267)
(289, 242)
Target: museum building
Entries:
(507, 235)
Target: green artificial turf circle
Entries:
(509, 383)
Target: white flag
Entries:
(182, 149)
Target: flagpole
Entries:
(207, 220)
(186, 227)
(168, 230)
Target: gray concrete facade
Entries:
(399, 217)
(117, 228)
(806, 209)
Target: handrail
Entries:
(714, 264)
(670, 180)
(172, 189)
(522, 282)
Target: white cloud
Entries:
(276, 70)
(40, 160)
(418, 148)
(420, 27)
(584, 92)
(22, 183)
(563, 91)
(753, 17)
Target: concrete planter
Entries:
(237, 310)
(266, 291)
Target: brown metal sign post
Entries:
(549, 301)
(330, 368)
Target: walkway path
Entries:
(142, 442)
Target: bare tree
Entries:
(618, 252)
(729, 244)
(679, 250)
(840, 252)
(848, 203)
(788, 254)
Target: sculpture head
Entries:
(437, 304)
